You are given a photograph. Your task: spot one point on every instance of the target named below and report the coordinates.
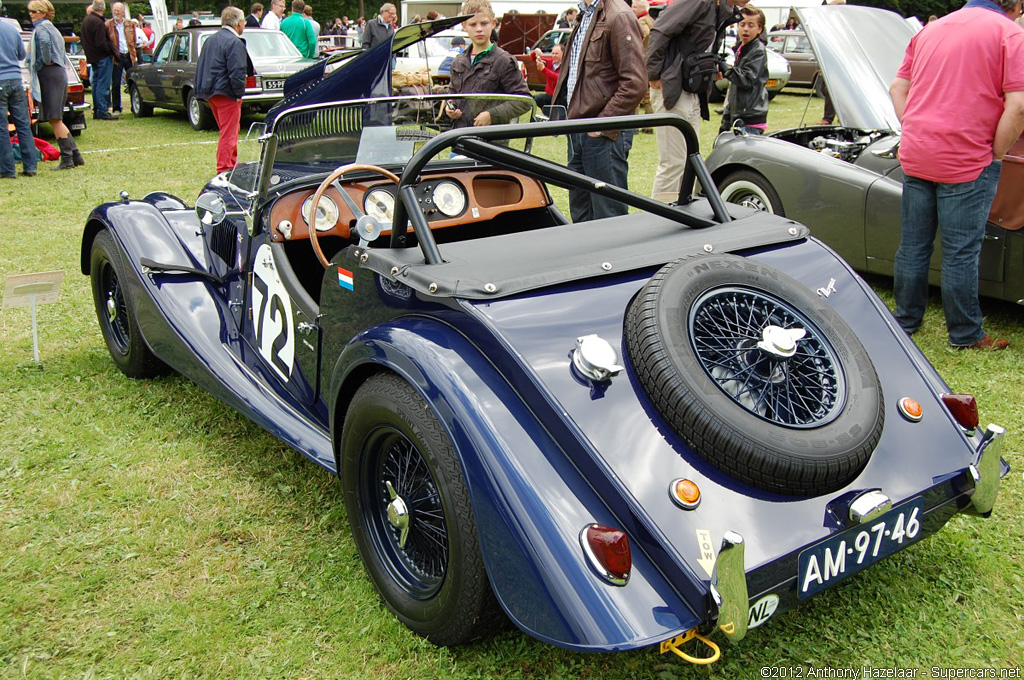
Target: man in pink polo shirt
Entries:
(960, 96)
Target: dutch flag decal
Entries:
(345, 278)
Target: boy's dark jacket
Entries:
(748, 96)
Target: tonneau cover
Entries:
(490, 268)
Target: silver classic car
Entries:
(845, 182)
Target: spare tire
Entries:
(759, 376)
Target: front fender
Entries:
(529, 501)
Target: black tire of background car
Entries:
(387, 421)
(140, 109)
(109, 293)
(814, 458)
(200, 117)
(751, 189)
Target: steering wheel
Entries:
(356, 210)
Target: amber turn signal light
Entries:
(685, 493)
(910, 409)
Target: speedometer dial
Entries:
(326, 213)
(449, 198)
(380, 203)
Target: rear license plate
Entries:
(771, 83)
(273, 84)
(857, 548)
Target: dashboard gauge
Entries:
(326, 213)
(380, 203)
(449, 199)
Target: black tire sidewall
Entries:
(387, 401)
(713, 423)
(138, 361)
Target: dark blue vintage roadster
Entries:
(615, 433)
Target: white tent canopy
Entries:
(777, 11)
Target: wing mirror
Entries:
(210, 209)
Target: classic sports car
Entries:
(846, 182)
(166, 79)
(620, 433)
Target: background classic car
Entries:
(167, 79)
(466, 375)
(845, 182)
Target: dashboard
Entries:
(445, 198)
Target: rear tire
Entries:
(399, 469)
(115, 312)
(140, 109)
(746, 187)
(200, 117)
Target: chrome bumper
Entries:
(985, 472)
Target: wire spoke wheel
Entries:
(405, 515)
(727, 329)
(411, 515)
(114, 314)
(758, 376)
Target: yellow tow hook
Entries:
(673, 645)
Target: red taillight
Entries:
(608, 550)
(75, 88)
(964, 409)
(250, 81)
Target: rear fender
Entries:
(529, 501)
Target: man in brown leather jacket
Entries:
(603, 74)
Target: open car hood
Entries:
(859, 50)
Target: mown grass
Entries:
(146, 530)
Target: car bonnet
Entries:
(859, 50)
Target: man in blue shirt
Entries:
(13, 101)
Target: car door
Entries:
(282, 324)
(180, 71)
(149, 77)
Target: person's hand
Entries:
(535, 55)
(655, 84)
(594, 134)
(482, 118)
(453, 112)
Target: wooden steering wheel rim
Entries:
(314, 237)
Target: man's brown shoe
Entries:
(988, 343)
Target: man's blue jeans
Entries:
(12, 98)
(100, 83)
(602, 159)
(958, 212)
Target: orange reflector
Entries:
(910, 409)
(685, 493)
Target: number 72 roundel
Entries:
(273, 325)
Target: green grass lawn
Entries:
(146, 530)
